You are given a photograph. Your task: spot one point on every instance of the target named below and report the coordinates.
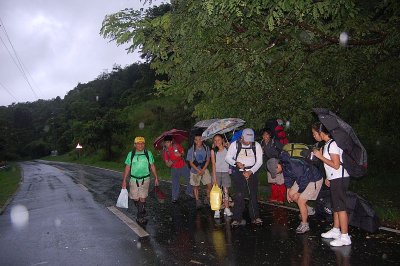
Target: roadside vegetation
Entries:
(9, 180)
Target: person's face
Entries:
(316, 135)
(139, 146)
(167, 143)
(266, 136)
(279, 168)
(198, 141)
(218, 141)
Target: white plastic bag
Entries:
(122, 201)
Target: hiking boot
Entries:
(257, 221)
(343, 240)
(236, 223)
(228, 212)
(217, 215)
(198, 204)
(302, 228)
(333, 233)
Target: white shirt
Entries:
(332, 173)
(246, 156)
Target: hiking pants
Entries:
(176, 173)
(241, 190)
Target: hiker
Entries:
(303, 182)
(198, 157)
(138, 165)
(220, 172)
(338, 180)
(173, 157)
(245, 155)
(271, 149)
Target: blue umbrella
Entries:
(237, 135)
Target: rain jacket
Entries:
(298, 170)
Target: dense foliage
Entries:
(277, 58)
(102, 115)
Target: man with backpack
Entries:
(138, 165)
(246, 156)
(198, 157)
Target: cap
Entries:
(248, 135)
(271, 166)
(139, 140)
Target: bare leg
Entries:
(343, 221)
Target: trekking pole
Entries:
(251, 202)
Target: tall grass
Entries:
(9, 179)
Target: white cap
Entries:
(248, 135)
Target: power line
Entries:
(9, 92)
(19, 66)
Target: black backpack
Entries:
(351, 166)
(239, 147)
(195, 162)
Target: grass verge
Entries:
(9, 180)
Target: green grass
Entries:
(9, 179)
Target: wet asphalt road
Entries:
(179, 235)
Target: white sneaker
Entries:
(228, 212)
(343, 240)
(217, 215)
(333, 233)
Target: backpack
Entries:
(195, 162)
(351, 166)
(239, 147)
(277, 130)
(297, 150)
(146, 153)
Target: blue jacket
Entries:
(298, 170)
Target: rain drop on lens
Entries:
(57, 222)
(19, 216)
(343, 38)
(141, 125)
(287, 124)
(139, 245)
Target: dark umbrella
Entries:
(344, 135)
(177, 135)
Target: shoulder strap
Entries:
(132, 155)
(238, 149)
(146, 153)
(253, 147)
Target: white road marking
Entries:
(129, 222)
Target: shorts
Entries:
(312, 190)
(339, 187)
(195, 178)
(223, 179)
(142, 191)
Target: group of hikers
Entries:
(237, 163)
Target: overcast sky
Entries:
(58, 43)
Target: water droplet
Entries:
(378, 143)
(139, 245)
(19, 216)
(287, 124)
(141, 125)
(57, 222)
(343, 38)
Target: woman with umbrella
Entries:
(338, 180)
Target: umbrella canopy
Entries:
(343, 134)
(222, 126)
(237, 135)
(177, 135)
(205, 123)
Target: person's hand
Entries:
(123, 185)
(318, 153)
(177, 154)
(156, 182)
(240, 165)
(327, 183)
(288, 197)
(202, 172)
(247, 174)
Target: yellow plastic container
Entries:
(215, 198)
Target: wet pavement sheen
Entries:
(182, 235)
